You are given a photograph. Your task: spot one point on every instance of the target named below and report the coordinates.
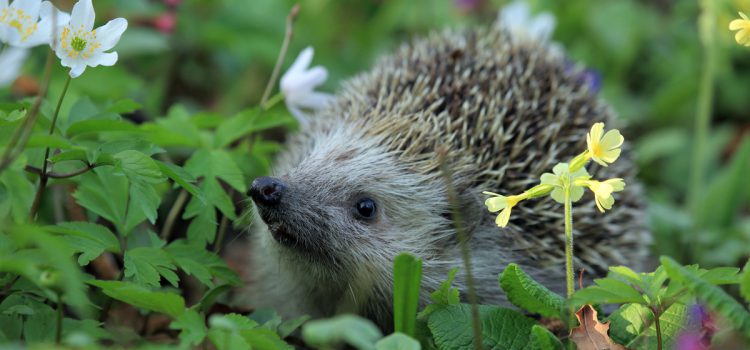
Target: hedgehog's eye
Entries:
(365, 209)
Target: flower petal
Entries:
(313, 100)
(612, 139)
(77, 70)
(596, 132)
(11, 59)
(104, 59)
(496, 203)
(503, 218)
(548, 178)
(611, 155)
(301, 116)
(744, 16)
(82, 15)
(110, 33)
(300, 64)
(304, 81)
(542, 26)
(576, 193)
(29, 7)
(737, 24)
(558, 194)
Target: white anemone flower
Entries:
(516, 17)
(11, 61)
(298, 85)
(80, 45)
(20, 23)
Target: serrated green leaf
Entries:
(202, 229)
(106, 195)
(607, 291)
(633, 325)
(89, 239)
(501, 328)
(353, 330)
(288, 327)
(407, 276)
(192, 327)
(713, 296)
(216, 163)
(201, 263)
(442, 297)
(130, 293)
(181, 177)
(745, 282)
(264, 339)
(138, 167)
(720, 275)
(543, 339)
(146, 266)
(246, 122)
(529, 295)
(397, 341)
(216, 196)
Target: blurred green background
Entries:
(212, 55)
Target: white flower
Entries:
(298, 85)
(516, 17)
(80, 45)
(11, 60)
(20, 25)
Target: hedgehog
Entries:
(362, 182)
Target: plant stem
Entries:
(52, 175)
(463, 240)
(706, 27)
(60, 305)
(280, 59)
(658, 328)
(173, 213)
(43, 178)
(569, 242)
(21, 136)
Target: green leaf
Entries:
(98, 126)
(145, 200)
(192, 327)
(145, 265)
(442, 297)
(76, 154)
(89, 239)
(105, 195)
(167, 303)
(397, 341)
(529, 295)
(353, 330)
(713, 296)
(723, 192)
(407, 275)
(745, 282)
(202, 229)
(720, 275)
(501, 328)
(124, 106)
(201, 263)
(246, 122)
(633, 325)
(607, 291)
(138, 167)
(543, 339)
(216, 163)
(180, 176)
(46, 140)
(264, 339)
(288, 327)
(16, 196)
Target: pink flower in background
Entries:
(166, 22)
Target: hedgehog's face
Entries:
(343, 201)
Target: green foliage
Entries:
(353, 330)
(407, 275)
(529, 295)
(445, 296)
(542, 339)
(502, 328)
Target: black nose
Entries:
(266, 190)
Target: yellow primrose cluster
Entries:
(571, 178)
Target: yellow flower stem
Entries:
(706, 26)
(569, 241)
(579, 161)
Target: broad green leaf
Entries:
(264, 339)
(745, 282)
(633, 325)
(208, 299)
(716, 298)
(99, 125)
(90, 239)
(720, 275)
(529, 295)
(216, 196)
(202, 229)
(248, 121)
(87, 327)
(627, 275)
(46, 140)
(288, 327)
(16, 196)
(397, 341)
(180, 176)
(130, 293)
(201, 263)
(607, 291)
(501, 328)
(138, 167)
(24, 315)
(353, 330)
(76, 154)
(216, 163)
(407, 276)
(104, 194)
(724, 192)
(543, 339)
(233, 322)
(124, 106)
(192, 327)
(145, 265)
(145, 200)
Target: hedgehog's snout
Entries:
(266, 191)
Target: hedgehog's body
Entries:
(506, 111)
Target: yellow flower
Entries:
(604, 149)
(562, 177)
(602, 191)
(503, 204)
(743, 27)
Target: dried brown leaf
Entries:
(592, 334)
